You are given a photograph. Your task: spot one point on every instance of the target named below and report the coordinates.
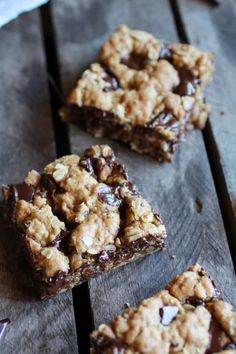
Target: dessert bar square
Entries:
(143, 91)
(188, 317)
(82, 216)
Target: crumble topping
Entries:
(142, 91)
(78, 208)
(38, 221)
(168, 323)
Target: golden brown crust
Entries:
(141, 80)
(78, 209)
(176, 320)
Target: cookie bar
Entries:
(4, 324)
(143, 91)
(82, 216)
(188, 317)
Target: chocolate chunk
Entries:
(23, 191)
(165, 52)
(17, 192)
(134, 61)
(194, 301)
(167, 314)
(3, 327)
(59, 240)
(88, 165)
(230, 346)
(56, 282)
(113, 81)
(188, 83)
(50, 185)
(106, 195)
(165, 119)
(217, 334)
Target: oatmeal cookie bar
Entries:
(188, 317)
(82, 216)
(143, 91)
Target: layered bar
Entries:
(143, 91)
(82, 216)
(188, 317)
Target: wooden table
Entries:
(42, 54)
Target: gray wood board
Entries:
(26, 142)
(214, 29)
(176, 190)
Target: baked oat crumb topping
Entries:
(168, 323)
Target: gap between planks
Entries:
(81, 300)
(212, 153)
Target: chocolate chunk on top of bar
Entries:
(80, 217)
(137, 80)
(169, 323)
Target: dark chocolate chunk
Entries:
(113, 81)
(3, 327)
(167, 314)
(56, 282)
(134, 61)
(23, 191)
(194, 301)
(230, 346)
(59, 240)
(165, 119)
(106, 195)
(188, 83)
(165, 52)
(50, 185)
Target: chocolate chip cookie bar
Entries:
(143, 91)
(188, 317)
(82, 216)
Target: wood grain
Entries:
(26, 142)
(219, 24)
(182, 191)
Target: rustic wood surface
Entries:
(219, 24)
(183, 191)
(26, 142)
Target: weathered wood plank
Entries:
(26, 142)
(195, 234)
(213, 28)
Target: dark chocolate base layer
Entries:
(142, 138)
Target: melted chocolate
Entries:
(3, 327)
(165, 53)
(113, 81)
(194, 301)
(165, 119)
(216, 333)
(22, 191)
(106, 195)
(188, 83)
(59, 240)
(17, 192)
(167, 314)
(56, 282)
(50, 185)
(134, 61)
(230, 346)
